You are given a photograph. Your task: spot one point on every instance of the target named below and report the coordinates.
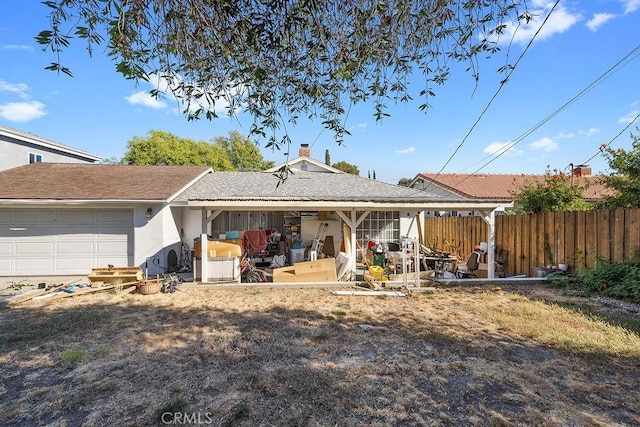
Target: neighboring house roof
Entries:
(299, 161)
(496, 186)
(259, 190)
(46, 143)
(87, 182)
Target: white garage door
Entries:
(63, 241)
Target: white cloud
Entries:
(19, 89)
(590, 132)
(560, 21)
(629, 117)
(630, 5)
(16, 47)
(22, 111)
(408, 150)
(598, 20)
(145, 99)
(544, 144)
(498, 147)
(563, 135)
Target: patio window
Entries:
(380, 226)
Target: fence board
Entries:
(577, 238)
(569, 222)
(591, 243)
(581, 235)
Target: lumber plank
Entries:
(33, 295)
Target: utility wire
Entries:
(495, 95)
(635, 52)
(603, 146)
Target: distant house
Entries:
(496, 187)
(21, 148)
(305, 163)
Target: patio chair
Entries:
(473, 262)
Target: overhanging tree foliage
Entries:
(280, 60)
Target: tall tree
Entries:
(346, 167)
(327, 157)
(243, 153)
(164, 148)
(624, 178)
(404, 182)
(279, 60)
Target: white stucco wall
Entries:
(155, 237)
(14, 155)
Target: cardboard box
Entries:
(482, 271)
(321, 270)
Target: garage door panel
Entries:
(69, 248)
(6, 216)
(34, 231)
(5, 248)
(107, 230)
(33, 265)
(116, 260)
(35, 215)
(76, 215)
(113, 247)
(76, 232)
(63, 241)
(113, 215)
(75, 264)
(6, 267)
(34, 248)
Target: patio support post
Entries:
(351, 219)
(204, 274)
(490, 219)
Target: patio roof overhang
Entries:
(333, 205)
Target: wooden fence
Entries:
(577, 239)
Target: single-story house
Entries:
(69, 218)
(481, 186)
(20, 148)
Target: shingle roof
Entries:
(74, 181)
(301, 186)
(499, 186)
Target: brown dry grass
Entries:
(247, 357)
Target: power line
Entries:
(495, 95)
(603, 146)
(635, 52)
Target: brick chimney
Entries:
(582, 170)
(304, 150)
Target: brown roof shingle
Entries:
(73, 181)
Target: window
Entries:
(35, 158)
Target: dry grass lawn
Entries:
(487, 356)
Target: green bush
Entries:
(618, 280)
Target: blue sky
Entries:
(99, 111)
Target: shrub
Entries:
(618, 280)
